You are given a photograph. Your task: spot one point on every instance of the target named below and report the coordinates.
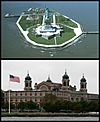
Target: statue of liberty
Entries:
(47, 19)
(46, 13)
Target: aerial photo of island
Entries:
(49, 29)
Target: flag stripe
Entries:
(14, 79)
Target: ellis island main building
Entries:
(61, 90)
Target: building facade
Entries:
(62, 90)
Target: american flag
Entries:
(14, 79)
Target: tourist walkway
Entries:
(54, 19)
(43, 20)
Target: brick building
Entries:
(62, 90)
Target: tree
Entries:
(93, 106)
(29, 105)
(49, 98)
(76, 106)
(51, 103)
(5, 105)
(2, 95)
(21, 106)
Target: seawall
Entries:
(45, 114)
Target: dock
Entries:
(91, 32)
(11, 15)
(23, 14)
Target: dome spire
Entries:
(83, 78)
(83, 75)
(65, 72)
(27, 77)
(28, 72)
(65, 76)
(49, 80)
(48, 77)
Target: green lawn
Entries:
(28, 23)
(40, 40)
(66, 35)
(63, 20)
(59, 19)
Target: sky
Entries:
(39, 70)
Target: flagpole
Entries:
(9, 97)
(14, 79)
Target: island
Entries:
(48, 28)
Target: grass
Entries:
(60, 19)
(40, 40)
(66, 35)
(45, 114)
(28, 23)
(63, 20)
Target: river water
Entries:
(50, 118)
(14, 45)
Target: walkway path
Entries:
(91, 32)
(77, 31)
(55, 40)
(43, 20)
(54, 19)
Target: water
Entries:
(50, 118)
(14, 45)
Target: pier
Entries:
(8, 15)
(23, 14)
(11, 15)
(91, 32)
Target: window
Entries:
(82, 98)
(21, 100)
(64, 83)
(25, 94)
(67, 83)
(77, 99)
(40, 94)
(26, 84)
(72, 99)
(82, 86)
(20, 93)
(30, 84)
